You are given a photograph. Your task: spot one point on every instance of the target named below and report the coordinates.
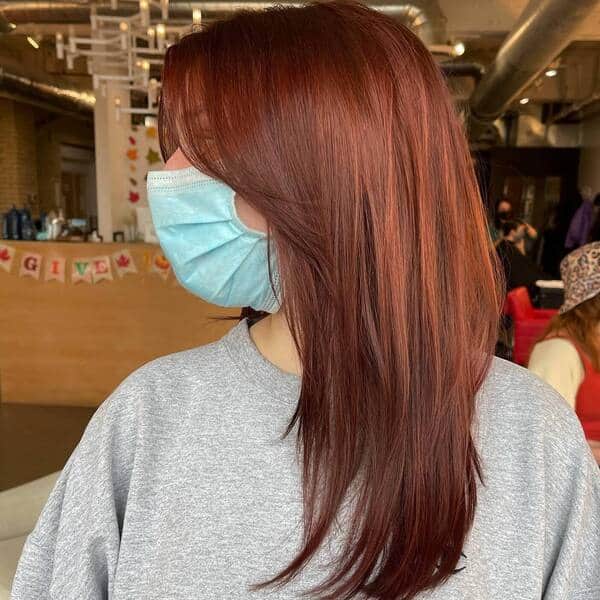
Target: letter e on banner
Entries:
(101, 269)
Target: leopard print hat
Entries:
(580, 272)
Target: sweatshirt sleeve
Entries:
(572, 512)
(72, 551)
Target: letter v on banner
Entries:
(81, 270)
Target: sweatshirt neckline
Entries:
(246, 355)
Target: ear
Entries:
(249, 216)
(177, 161)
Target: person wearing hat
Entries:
(568, 354)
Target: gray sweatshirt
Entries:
(181, 488)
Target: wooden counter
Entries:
(72, 343)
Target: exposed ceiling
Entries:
(481, 25)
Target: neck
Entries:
(273, 338)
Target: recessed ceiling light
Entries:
(459, 49)
(551, 73)
(523, 100)
(33, 42)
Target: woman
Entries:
(568, 355)
(503, 213)
(519, 269)
(358, 441)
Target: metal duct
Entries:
(424, 17)
(473, 70)
(542, 32)
(48, 96)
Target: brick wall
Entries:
(18, 155)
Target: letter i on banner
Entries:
(81, 270)
(101, 269)
(55, 269)
(7, 255)
(31, 265)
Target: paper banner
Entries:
(124, 263)
(31, 265)
(160, 265)
(81, 270)
(101, 269)
(7, 254)
(55, 269)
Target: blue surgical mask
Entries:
(212, 253)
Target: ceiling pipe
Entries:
(48, 96)
(464, 69)
(542, 32)
(424, 17)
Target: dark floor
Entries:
(37, 440)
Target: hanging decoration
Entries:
(55, 269)
(87, 269)
(7, 254)
(124, 263)
(101, 269)
(81, 270)
(128, 50)
(160, 265)
(152, 156)
(31, 265)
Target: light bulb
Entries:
(459, 49)
(124, 26)
(523, 100)
(551, 73)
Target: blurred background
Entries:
(85, 293)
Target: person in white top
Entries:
(557, 362)
(568, 354)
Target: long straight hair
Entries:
(335, 123)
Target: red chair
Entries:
(528, 322)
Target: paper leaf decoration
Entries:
(160, 265)
(7, 255)
(124, 262)
(152, 156)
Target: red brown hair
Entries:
(579, 324)
(335, 123)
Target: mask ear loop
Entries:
(271, 282)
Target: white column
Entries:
(112, 165)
